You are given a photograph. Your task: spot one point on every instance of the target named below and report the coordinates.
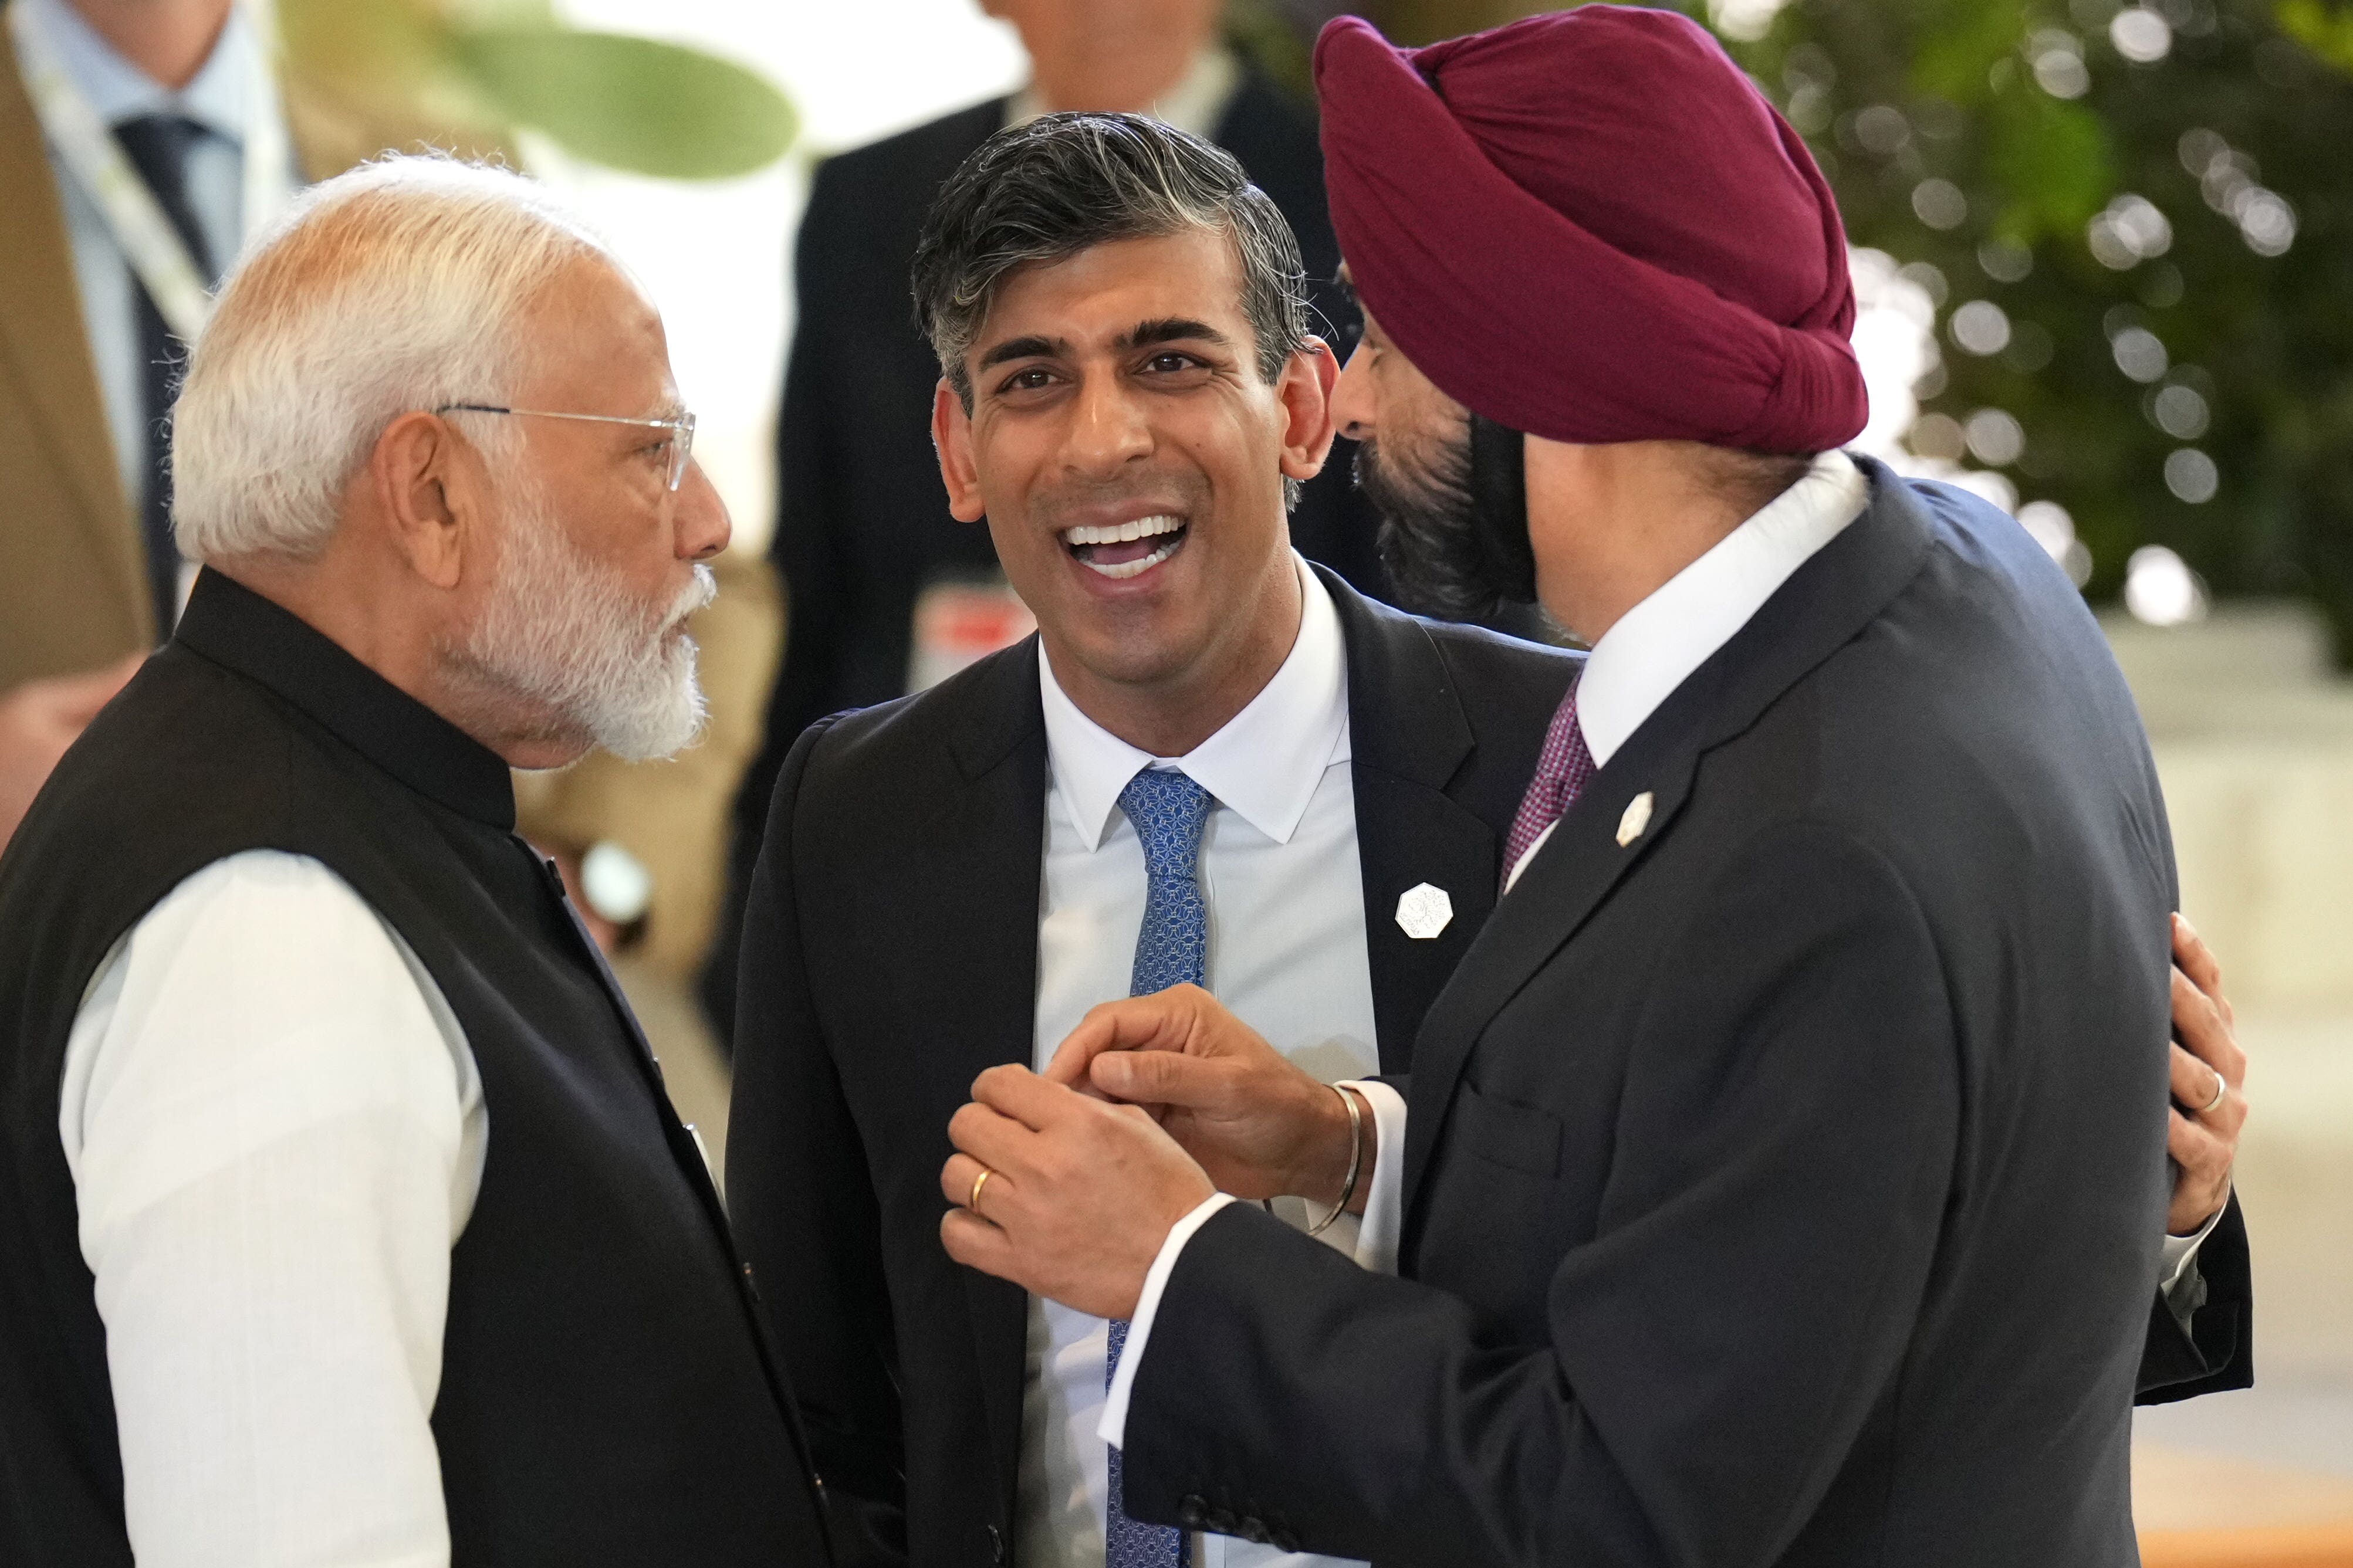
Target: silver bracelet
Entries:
(1355, 1161)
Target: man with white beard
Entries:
(346, 1219)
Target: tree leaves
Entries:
(2050, 160)
(2326, 31)
(465, 74)
(631, 103)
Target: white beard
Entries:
(560, 632)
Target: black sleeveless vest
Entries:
(608, 1394)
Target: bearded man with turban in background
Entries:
(1782, 1175)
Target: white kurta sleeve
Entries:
(276, 1133)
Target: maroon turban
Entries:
(1590, 227)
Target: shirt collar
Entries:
(1655, 646)
(217, 98)
(1194, 104)
(236, 627)
(1264, 763)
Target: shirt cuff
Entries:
(1384, 1222)
(1112, 1427)
(2179, 1250)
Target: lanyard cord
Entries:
(133, 217)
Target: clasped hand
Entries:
(1149, 1106)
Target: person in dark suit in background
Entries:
(1781, 1174)
(862, 528)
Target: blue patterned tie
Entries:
(1172, 949)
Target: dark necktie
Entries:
(157, 146)
(1172, 949)
(1562, 770)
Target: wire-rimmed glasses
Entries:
(681, 429)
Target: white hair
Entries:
(395, 287)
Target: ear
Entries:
(428, 490)
(952, 439)
(1305, 389)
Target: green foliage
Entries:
(2053, 163)
(630, 103)
(2057, 152)
(474, 70)
(1272, 42)
(2327, 32)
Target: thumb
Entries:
(1132, 1023)
(1161, 1078)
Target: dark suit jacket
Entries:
(1784, 1186)
(891, 955)
(862, 525)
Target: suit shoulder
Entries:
(1265, 116)
(973, 717)
(903, 162)
(1502, 655)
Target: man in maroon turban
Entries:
(1782, 1173)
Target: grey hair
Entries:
(398, 286)
(1062, 184)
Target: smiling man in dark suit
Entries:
(1296, 796)
(862, 529)
(1780, 1177)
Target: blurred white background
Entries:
(716, 254)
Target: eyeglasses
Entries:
(681, 429)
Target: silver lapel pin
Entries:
(1423, 911)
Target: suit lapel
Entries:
(1577, 868)
(1409, 737)
(982, 860)
(1823, 606)
(42, 344)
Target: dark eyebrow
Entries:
(1170, 330)
(1030, 347)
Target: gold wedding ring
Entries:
(973, 1203)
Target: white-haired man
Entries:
(346, 1219)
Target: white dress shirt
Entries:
(1286, 952)
(1638, 664)
(275, 1134)
(219, 98)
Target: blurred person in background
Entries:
(346, 1219)
(141, 141)
(864, 540)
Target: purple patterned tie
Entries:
(1562, 770)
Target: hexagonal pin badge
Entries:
(1423, 911)
(1637, 817)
